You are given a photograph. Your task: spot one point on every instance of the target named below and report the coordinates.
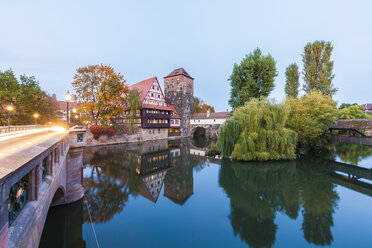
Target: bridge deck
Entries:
(15, 159)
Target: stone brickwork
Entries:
(179, 92)
(62, 184)
(141, 134)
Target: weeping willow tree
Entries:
(256, 132)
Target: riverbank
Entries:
(137, 137)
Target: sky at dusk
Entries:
(142, 39)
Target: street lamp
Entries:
(36, 115)
(76, 116)
(9, 108)
(68, 98)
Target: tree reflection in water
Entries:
(257, 191)
(113, 177)
(352, 153)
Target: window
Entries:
(80, 137)
(17, 198)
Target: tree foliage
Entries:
(134, 104)
(352, 112)
(318, 68)
(201, 107)
(291, 83)
(27, 98)
(256, 132)
(345, 105)
(101, 91)
(252, 78)
(311, 116)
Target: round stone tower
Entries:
(179, 92)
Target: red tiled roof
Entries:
(217, 115)
(62, 105)
(174, 115)
(156, 107)
(179, 71)
(143, 87)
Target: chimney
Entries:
(208, 113)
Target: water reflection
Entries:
(302, 190)
(257, 191)
(64, 227)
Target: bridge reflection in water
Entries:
(257, 192)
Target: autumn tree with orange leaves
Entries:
(101, 91)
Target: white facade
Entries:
(207, 121)
(155, 95)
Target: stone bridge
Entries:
(354, 125)
(35, 178)
(207, 124)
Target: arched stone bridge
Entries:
(35, 178)
(207, 123)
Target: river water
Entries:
(167, 194)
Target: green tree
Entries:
(27, 98)
(311, 116)
(345, 105)
(291, 83)
(256, 132)
(134, 104)
(318, 68)
(351, 112)
(102, 92)
(252, 78)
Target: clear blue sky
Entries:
(141, 39)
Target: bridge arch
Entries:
(199, 132)
(58, 197)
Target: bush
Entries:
(352, 112)
(99, 130)
(257, 131)
(213, 151)
(311, 116)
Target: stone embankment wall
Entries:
(139, 136)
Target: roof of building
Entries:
(368, 106)
(62, 105)
(174, 115)
(217, 115)
(177, 72)
(149, 106)
(143, 87)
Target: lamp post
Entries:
(67, 98)
(36, 115)
(9, 108)
(76, 116)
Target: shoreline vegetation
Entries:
(260, 129)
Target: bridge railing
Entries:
(14, 129)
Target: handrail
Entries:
(13, 129)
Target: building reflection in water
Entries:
(179, 183)
(257, 191)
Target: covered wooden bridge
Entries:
(354, 126)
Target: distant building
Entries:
(62, 108)
(156, 118)
(367, 108)
(209, 118)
